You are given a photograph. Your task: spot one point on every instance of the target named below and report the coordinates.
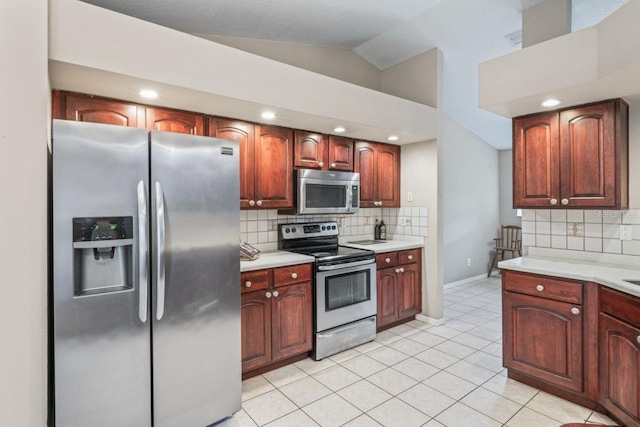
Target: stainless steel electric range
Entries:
(345, 302)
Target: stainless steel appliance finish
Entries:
(327, 192)
(345, 303)
(148, 334)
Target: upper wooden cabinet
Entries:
(266, 162)
(317, 151)
(379, 168)
(572, 158)
(87, 108)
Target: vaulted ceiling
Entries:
(383, 32)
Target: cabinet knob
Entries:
(402, 270)
(387, 260)
(410, 257)
(397, 270)
(259, 203)
(540, 288)
(575, 310)
(380, 203)
(268, 294)
(553, 201)
(252, 203)
(565, 202)
(333, 165)
(294, 275)
(321, 164)
(275, 294)
(247, 284)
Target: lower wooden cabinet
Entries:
(399, 283)
(620, 355)
(277, 318)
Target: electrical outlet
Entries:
(410, 196)
(403, 221)
(273, 225)
(367, 220)
(468, 262)
(343, 222)
(625, 232)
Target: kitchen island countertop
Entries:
(397, 244)
(275, 259)
(610, 275)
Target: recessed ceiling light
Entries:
(551, 103)
(268, 115)
(393, 138)
(339, 129)
(148, 93)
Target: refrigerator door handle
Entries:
(160, 253)
(143, 284)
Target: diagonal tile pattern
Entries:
(412, 375)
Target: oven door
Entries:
(345, 294)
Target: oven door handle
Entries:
(347, 328)
(347, 265)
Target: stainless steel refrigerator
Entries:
(145, 299)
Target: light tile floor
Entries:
(412, 375)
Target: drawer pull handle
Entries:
(294, 275)
(410, 257)
(259, 203)
(275, 294)
(553, 201)
(268, 294)
(575, 310)
(321, 164)
(565, 202)
(333, 165)
(247, 284)
(540, 288)
(387, 260)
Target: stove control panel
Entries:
(315, 229)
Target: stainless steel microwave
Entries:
(327, 192)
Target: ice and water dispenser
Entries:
(102, 255)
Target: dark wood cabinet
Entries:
(323, 152)
(86, 108)
(399, 283)
(174, 121)
(273, 163)
(276, 316)
(379, 168)
(620, 355)
(572, 158)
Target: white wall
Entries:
(414, 79)
(470, 211)
(343, 64)
(545, 21)
(23, 212)
(507, 212)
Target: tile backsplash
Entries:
(260, 226)
(595, 231)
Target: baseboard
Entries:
(463, 281)
(430, 320)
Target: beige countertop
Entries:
(610, 275)
(387, 245)
(275, 259)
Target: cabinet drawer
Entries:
(620, 305)
(293, 274)
(387, 259)
(409, 256)
(544, 287)
(254, 280)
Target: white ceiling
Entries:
(383, 32)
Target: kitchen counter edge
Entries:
(609, 275)
(387, 246)
(275, 259)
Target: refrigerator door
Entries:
(196, 271)
(101, 348)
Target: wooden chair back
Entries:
(510, 238)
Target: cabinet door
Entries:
(409, 292)
(97, 110)
(387, 283)
(255, 313)
(588, 156)
(292, 320)
(619, 368)
(310, 150)
(273, 167)
(543, 339)
(175, 121)
(340, 153)
(388, 175)
(536, 153)
(365, 164)
(244, 134)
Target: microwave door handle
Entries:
(350, 193)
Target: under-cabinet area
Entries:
(576, 339)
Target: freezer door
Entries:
(101, 342)
(196, 272)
